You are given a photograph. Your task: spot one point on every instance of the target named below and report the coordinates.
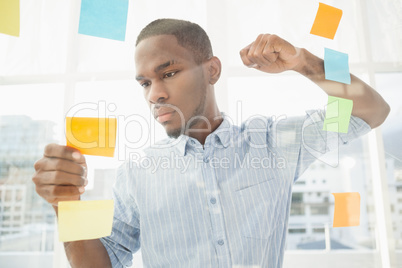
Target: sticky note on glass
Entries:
(83, 220)
(347, 209)
(10, 17)
(104, 18)
(92, 136)
(337, 116)
(326, 21)
(336, 65)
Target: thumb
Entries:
(247, 48)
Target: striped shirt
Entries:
(226, 204)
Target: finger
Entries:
(269, 53)
(56, 193)
(56, 201)
(244, 57)
(255, 44)
(256, 53)
(245, 49)
(59, 178)
(53, 164)
(65, 152)
(279, 46)
(51, 192)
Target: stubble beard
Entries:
(199, 111)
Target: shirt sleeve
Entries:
(315, 142)
(124, 240)
(302, 139)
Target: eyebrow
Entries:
(159, 68)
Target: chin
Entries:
(174, 133)
(171, 130)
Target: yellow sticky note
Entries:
(347, 209)
(92, 136)
(10, 17)
(326, 21)
(337, 116)
(83, 220)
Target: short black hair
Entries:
(188, 34)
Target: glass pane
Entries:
(30, 117)
(384, 24)
(279, 95)
(312, 208)
(389, 85)
(137, 129)
(100, 54)
(41, 47)
(279, 17)
(124, 100)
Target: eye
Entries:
(145, 84)
(169, 74)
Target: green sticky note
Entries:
(10, 17)
(338, 114)
(83, 220)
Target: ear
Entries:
(214, 70)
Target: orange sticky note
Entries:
(83, 220)
(92, 136)
(347, 209)
(326, 21)
(10, 17)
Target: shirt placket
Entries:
(215, 209)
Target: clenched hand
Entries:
(60, 174)
(271, 54)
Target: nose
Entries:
(157, 92)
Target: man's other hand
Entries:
(271, 54)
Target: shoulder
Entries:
(273, 124)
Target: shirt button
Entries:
(220, 242)
(213, 200)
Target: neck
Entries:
(203, 128)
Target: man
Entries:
(211, 208)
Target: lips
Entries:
(163, 114)
(164, 117)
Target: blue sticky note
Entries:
(104, 18)
(336, 66)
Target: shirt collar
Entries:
(224, 132)
(182, 145)
(220, 137)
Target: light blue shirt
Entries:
(224, 205)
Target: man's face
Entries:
(174, 84)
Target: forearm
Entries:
(367, 103)
(86, 253)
